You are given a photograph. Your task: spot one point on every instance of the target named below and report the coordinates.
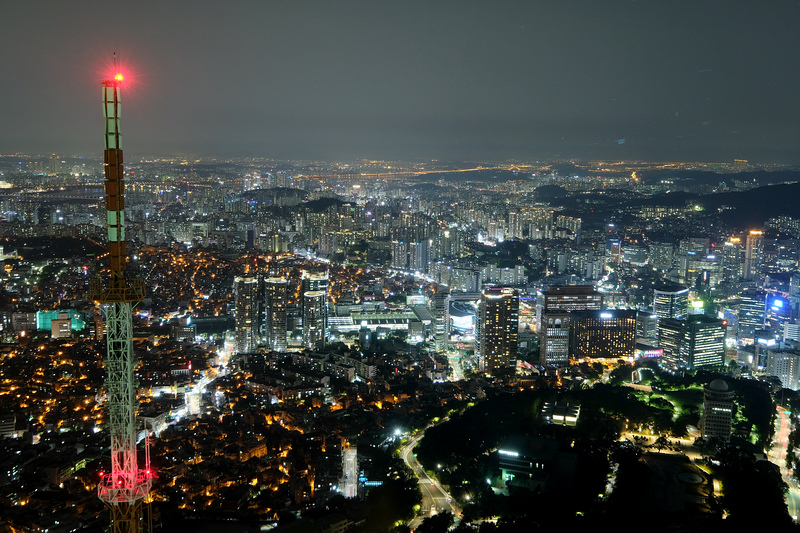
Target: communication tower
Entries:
(127, 485)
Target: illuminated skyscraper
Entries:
(670, 301)
(794, 286)
(753, 255)
(694, 342)
(246, 299)
(752, 313)
(778, 311)
(441, 318)
(732, 260)
(276, 294)
(315, 281)
(497, 329)
(514, 226)
(646, 325)
(615, 252)
(553, 319)
(315, 317)
(607, 334)
(418, 256)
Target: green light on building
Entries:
(44, 319)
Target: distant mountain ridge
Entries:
(741, 210)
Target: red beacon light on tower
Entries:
(119, 77)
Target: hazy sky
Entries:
(337, 79)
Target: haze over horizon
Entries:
(618, 79)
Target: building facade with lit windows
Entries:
(246, 304)
(752, 313)
(536, 464)
(349, 480)
(553, 319)
(276, 296)
(670, 301)
(753, 255)
(646, 325)
(785, 365)
(732, 260)
(606, 334)
(315, 282)
(660, 255)
(441, 318)
(694, 342)
(497, 329)
(717, 411)
(315, 319)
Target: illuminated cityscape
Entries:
(372, 269)
(280, 345)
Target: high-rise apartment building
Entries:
(553, 319)
(315, 318)
(571, 223)
(465, 280)
(514, 226)
(246, 304)
(497, 329)
(315, 281)
(400, 255)
(449, 243)
(276, 296)
(418, 256)
(328, 244)
(414, 256)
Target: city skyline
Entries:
(468, 323)
(468, 81)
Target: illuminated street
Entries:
(777, 455)
(434, 497)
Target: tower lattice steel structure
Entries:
(127, 485)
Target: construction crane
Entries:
(127, 485)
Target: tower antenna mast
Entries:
(126, 486)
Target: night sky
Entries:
(338, 80)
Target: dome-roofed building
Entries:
(717, 411)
